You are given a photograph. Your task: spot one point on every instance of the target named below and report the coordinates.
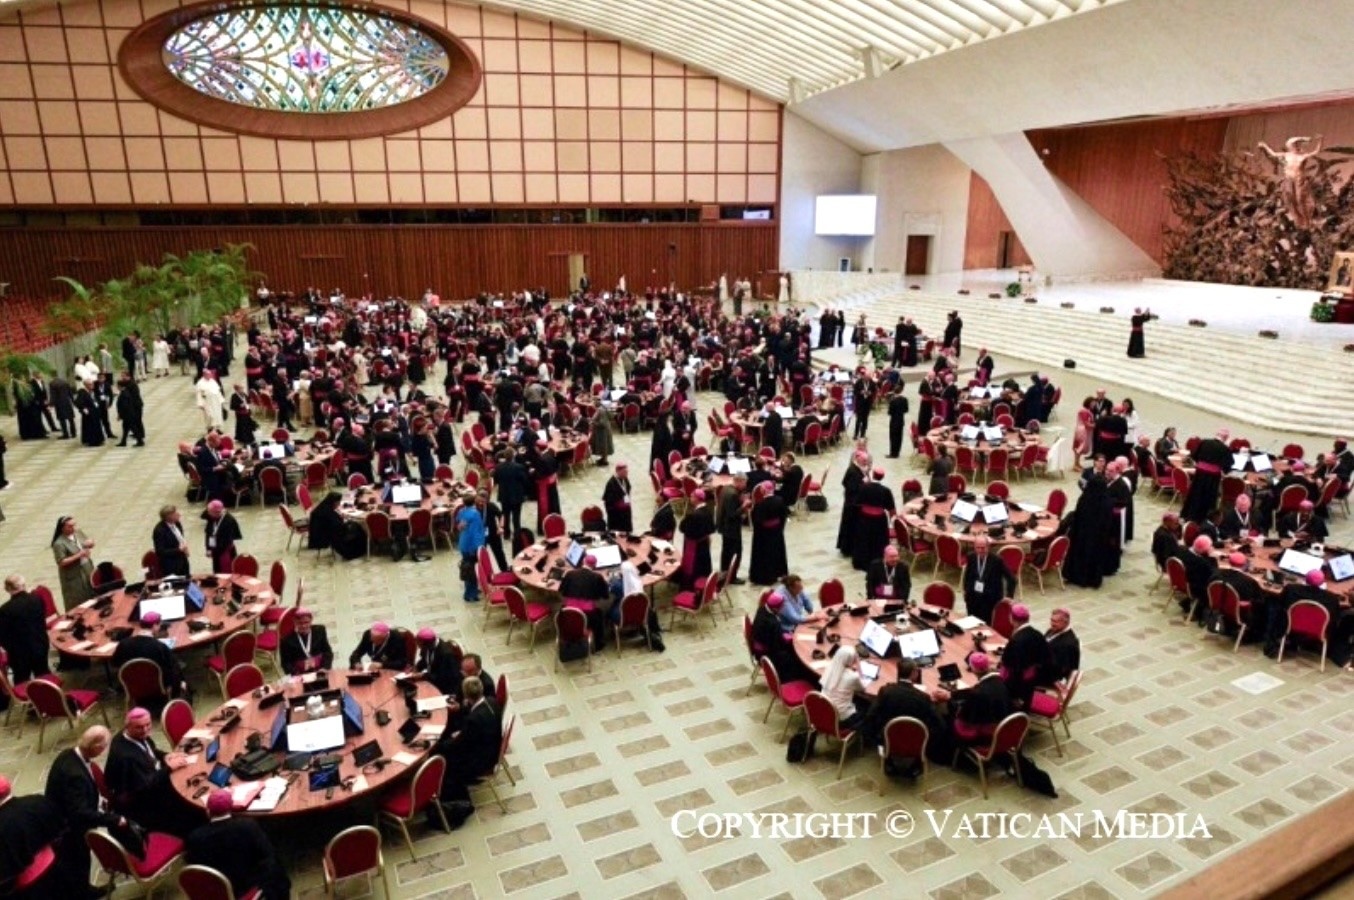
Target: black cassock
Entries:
(616, 498)
(1094, 534)
(696, 529)
(1136, 350)
(846, 531)
(769, 561)
(664, 522)
(1211, 458)
(91, 418)
(30, 415)
(1121, 494)
(872, 524)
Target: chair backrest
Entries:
(831, 593)
(353, 851)
(1306, 618)
(1180, 480)
(1292, 497)
(1001, 618)
(964, 458)
(1057, 553)
(1233, 486)
(356, 480)
(443, 472)
(177, 720)
(998, 461)
(204, 883)
(304, 499)
(242, 679)
(958, 484)
(1293, 451)
(421, 523)
(141, 679)
(1010, 733)
(277, 579)
(378, 526)
(286, 516)
(906, 736)
(44, 593)
(239, 649)
(948, 551)
(634, 610)
(1013, 556)
(110, 853)
(1005, 420)
(1057, 501)
(426, 784)
(104, 573)
(593, 519)
(999, 489)
(769, 673)
(554, 526)
(1190, 532)
(245, 565)
(150, 564)
(822, 715)
(1073, 682)
(501, 692)
(517, 603)
(938, 593)
(1328, 491)
(271, 480)
(571, 624)
(472, 477)
(316, 474)
(1177, 575)
(48, 699)
(1215, 594)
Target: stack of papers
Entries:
(268, 794)
(246, 792)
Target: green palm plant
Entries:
(15, 370)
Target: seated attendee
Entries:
(797, 608)
(1247, 588)
(769, 639)
(1166, 447)
(471, 751)
(328, 529)
(23, 631)
(1166, 540)
(906, 697)
(982, 707)
(239, 849)
(143, 643)
(888, 579)
(585, 588)
(1199, 568)
(1303, 524)
(841, 683)
(472, 666)
(32, 866)
(383, 650)
(1239, 522)
(73, 787)
(1064, 647)
(307, 648)
(986, 580)
(440, 660)
(1026, 658)
(137, 778)
(1340, 631)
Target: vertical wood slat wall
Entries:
(455, 261)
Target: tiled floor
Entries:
(603, 760)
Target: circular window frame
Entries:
(141, 63)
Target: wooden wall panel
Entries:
(986, 221)
(455, 261)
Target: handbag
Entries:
(467, 568)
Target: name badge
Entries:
(886, 590)
(978, 586)
(211, 543)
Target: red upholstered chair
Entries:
(143, 683)
(571, 626)
(1223, 599)
(529, 614)
(1052, 703)
(356, 480)
(1164, 480)
(490, 780)
(634, 617)
(998, 462)
(1293, 451)
(1291, 498)
(316, 477)
(958, 484)
(104, 573)
(304, 499)
(1192, 443)
(501, 693)
(444, 472)
(378, 529)
(938, 594)
(294, 527)
(18, 693)
(243, 679)
(205, 883)
(905, 738)
(554, 526)
(999, 489)
(911, 542)
(177, 720)
(273, 484)
(355, 852)
(948, 553)
(1233, 486)
(1306, 619)
(815, 487)
(44, 593)
(1057, 502)
(268, 643)
(1006, 741)
(163, 851)
(421, 528)
(593, 519)
(965, 461)
(1001, 618)
(1178, 579)
(237, 650)
(831, 593)
(245, 565)
(1053, 560)
(693, 603)
(1180, 482)
(791, 694)
(1005, 420)
(51, 701)
(1013, 556)
(150, 564)
(824, 719)
(755, 653)
(1189, 533)
(402, 805)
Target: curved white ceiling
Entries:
(792, 49)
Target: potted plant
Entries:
(15, 370)
(1322, 311)
(1013, 289)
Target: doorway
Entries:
(1005, 245)
(918, 254)
(578, 267)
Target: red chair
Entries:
(1057, 502)
(1192, 443)
(356, 480)
(634, 617)
(998, 462)
(815, 487)
(421, 527)
(965, 461)
(378, 529)
(353, 852)
(150, 564)
(163, 852)
(268, 644)
(1233, 486)
(272, 484)
(1029, 455)
(1161, 480)
(791, 694)
(571, 626)
(303, 498)
(554, 526)
(143, 684)
(501, 693)
(277, 581)
(1329, 490)
(1306, 619)
(1013, 556)
(245, 565)
(529, 614)
(1180, 481)
(243, 679)
(316, 477)
(281, 436)
(1178, 579)
(502, 764)
(593, 519)
(693, 603)
(238, 649)
(999, 489)
(1293, 451)
(496, 579)
(444, 472)
(905, 738)
(948, 553)
(52, 702)
(18, 693)
(402, 805)
(1223, 599)
(831, 593)
(1291, 498)
(294, 526)
(824, 720)
(912, 542)
(938, 594)
(1051, 705)
(1001, 618)
(44, 593)
(958, 484)
(177, 720)
(1053, 561)
(104, 573)
(1007, 740)
(1004, 420)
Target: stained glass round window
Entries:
(300, 70)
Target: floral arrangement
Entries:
(1322, 311)
(1013, 289)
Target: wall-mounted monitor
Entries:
(844, 215)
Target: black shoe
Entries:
(122, 443)
(737, 581)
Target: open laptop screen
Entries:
(574, 555)
(876, 637)
(1298, 563)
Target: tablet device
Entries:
(324, 779)
(949, 672)
(213, 749)
(1341, 567)
(409, 730)
(876, 637)
(574, 555)
(995, 513)
(868, 671)
(220, 775)
(368, 752)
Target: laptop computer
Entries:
(963, 510)
(608, 555)
(406, 494)
(1298, 563)
(1341, 567)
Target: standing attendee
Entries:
(1120, 490)
(697, 526)
(875, 505)
(73, 788)
(791, 478)
(471, 537)
(513, 484)
(862, 396)
(1211, 458)
(602, 443)
(1140, 318)
(159, 359)
(616, 499)
(940, 469)
(852, 479)
(1093, 536)
(138, 778)
(239, 849)
(74, 555)
(30, 399)
(898, 409)
(954, 331)
(210, 399)
(23, 631)
(88, 401)
(773, 429)
(170, 543)
(222, 531)
(63, 403)
(986, 580)
(130, 410)
(729, 510)
(769, 560)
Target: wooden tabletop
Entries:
(534, 564)
(701, 472)
(306, 453)
(848, 627)
(920, 515)
(1013, 439)
(745, 419)
(256, 596)
(562, 441)
(1254, 480)
(382, 694)
(439, 497)
(1262, 559)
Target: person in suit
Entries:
(307, 648)
(142, 643)
(513, 484)
(729, 510)
(862, 395)
(238, 849)
(986, 580)
(982, 707)
(137, 778)
(940, 469)
(1303, 524)
(1064, 647)
(1026, 658)
(63, 403)
(906, 697)
(985, 364)
(616, 498)
(171, 546)
(773, 429)
(791, 478)
(440, 660)
(471, 751)
(30, 849)
(472, 666)
(887, 579)
(23, 631)
(130, 409)
(378, 644)
(73, 786)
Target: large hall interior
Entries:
(909, 265)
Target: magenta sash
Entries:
(1208, 468)
(36, 869)
(873, 512)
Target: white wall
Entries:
(812, 163)
(922, 190)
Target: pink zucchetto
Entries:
(380, 629)
(979, 662)
(427, 635)
(219, 803)
(1316, 578)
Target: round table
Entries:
(848, 628)
(382, 694)
(563, 441)
(1262, 560)
(1013, 439)
(698, 469)
(752, 421)
(1256, 481)
(1023, 527)
(297, 463)
(534, 565)
(439, 498)
(86, 630)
